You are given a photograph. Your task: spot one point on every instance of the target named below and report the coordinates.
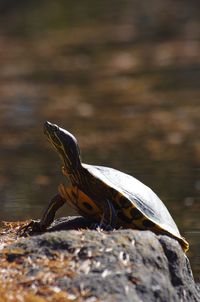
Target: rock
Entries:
(122, 265)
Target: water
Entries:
(131, 100)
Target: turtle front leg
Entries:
(46, 220)
(109, 217)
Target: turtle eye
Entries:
(54, 128)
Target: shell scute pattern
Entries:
(136, 195)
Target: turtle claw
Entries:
(101, 226)
(31, 228)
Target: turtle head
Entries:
(65, 144)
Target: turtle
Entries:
(107, 197)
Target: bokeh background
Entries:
(123, 77)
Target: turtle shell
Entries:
(137, 195)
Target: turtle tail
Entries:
(184, 244)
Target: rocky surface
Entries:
(88, 265)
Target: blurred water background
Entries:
(123, 77)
